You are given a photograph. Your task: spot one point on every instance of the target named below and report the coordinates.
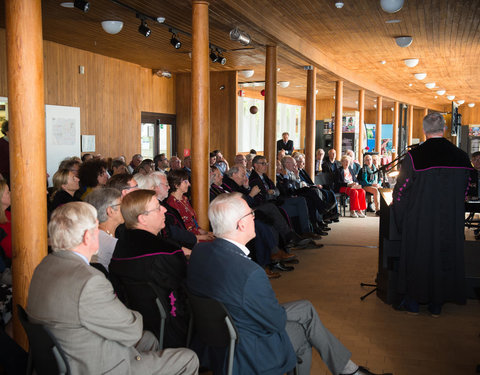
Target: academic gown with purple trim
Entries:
(428, 204)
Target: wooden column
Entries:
(310, 122)
(361, 124)
(409, 124)
(396, 113)
(270, 124)
(27, 146)
(425, 112)
(337, 142)
(200, 111)
(378, 128)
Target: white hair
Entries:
(68, 224)
(157, 177)
(224, 213)
(144, 181)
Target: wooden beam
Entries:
(361, 123)
(378, 129)
(200, 111)
(270, 119)
(27, 146)
(396, 113)
(310, 122)
(337, 143)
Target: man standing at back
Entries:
(76, 302)
(429, 209)
(271, 336)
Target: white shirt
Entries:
(242, 247)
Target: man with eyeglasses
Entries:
(161, 162)
(142, 256)
(77, 303)
(271, 335)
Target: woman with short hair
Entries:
(65, 184)
(92, 174)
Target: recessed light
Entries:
(435, 96)
(67, 4)
(410, 84)
(383, 62)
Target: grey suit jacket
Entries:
(78, 304)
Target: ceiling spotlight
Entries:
(221, 60)
(411, 62)
(471, 105)
(213, 56)
(240, 36)
(82, 5)
(435, 96)
(112, 27)
(175, 42)
(460, 102)
(162, 73)
(420, 76)
(284, 84)
(391, 6)
(441, 92)
(144, 29)
(450, 97)
(247, 73)
(403, 41)
(430, 85)
(410, 84)
(339, 4)
(383, 62)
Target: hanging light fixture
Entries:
(460, 102)
(247, 73)
(391, 6)
(450, 97)
(411, 62)
(420, 76)
(112, 27)
(430, 85)
(144, 29)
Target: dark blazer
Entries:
(328, 166)
(175, 228)
(287, 147)
(230, 186)
(255, 179)
(305, 177)
(220, 270)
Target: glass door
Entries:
(157, 134)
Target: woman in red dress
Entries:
(179, 184)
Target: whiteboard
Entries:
(62, 135)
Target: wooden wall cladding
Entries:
(470, 116)
(223, 112)
(111, 94)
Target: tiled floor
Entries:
(378, 336)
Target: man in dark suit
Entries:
(285, 144)
(272, 336)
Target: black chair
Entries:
(45, 356)
(145, 298)
(213, 325)
(326, 179)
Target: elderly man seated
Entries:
(271, 335)
(77, 303)
(142, 256)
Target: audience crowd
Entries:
(139, 230)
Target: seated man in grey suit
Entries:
(271, 336)
(76, 302)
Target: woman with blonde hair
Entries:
(65, 184)
(347, 183)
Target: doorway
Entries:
(158, 134)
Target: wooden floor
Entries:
(378, 336)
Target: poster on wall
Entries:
(62, 135)
(387, 138)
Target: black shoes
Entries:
(281, 267)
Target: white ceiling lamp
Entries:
(430, 85)
(112, 27)
(403, 41)
(450, 97)
(420, 76)
(391, 6)
(471, 105)
(339, 4)
(247, 73)
(460, 102)
(284, 84)
(441, 92)
(411, 63)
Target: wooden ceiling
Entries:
(347, 43)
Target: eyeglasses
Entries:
(115, 205)
(252, 212)
(155, 209)
(263, 163)
(131, 187)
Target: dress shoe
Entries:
(326, 228)
(370, 208)
(281, 255)
(377, 213)
(281, 267)
(310, 235)
(291, 261)
(336, 219)
(300, 242)
(271, 274)
(365, 371)
(321, 232)
(327, 221)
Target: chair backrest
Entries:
(45, 355)
(324, 179)
(146, 299)
(213, 325)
